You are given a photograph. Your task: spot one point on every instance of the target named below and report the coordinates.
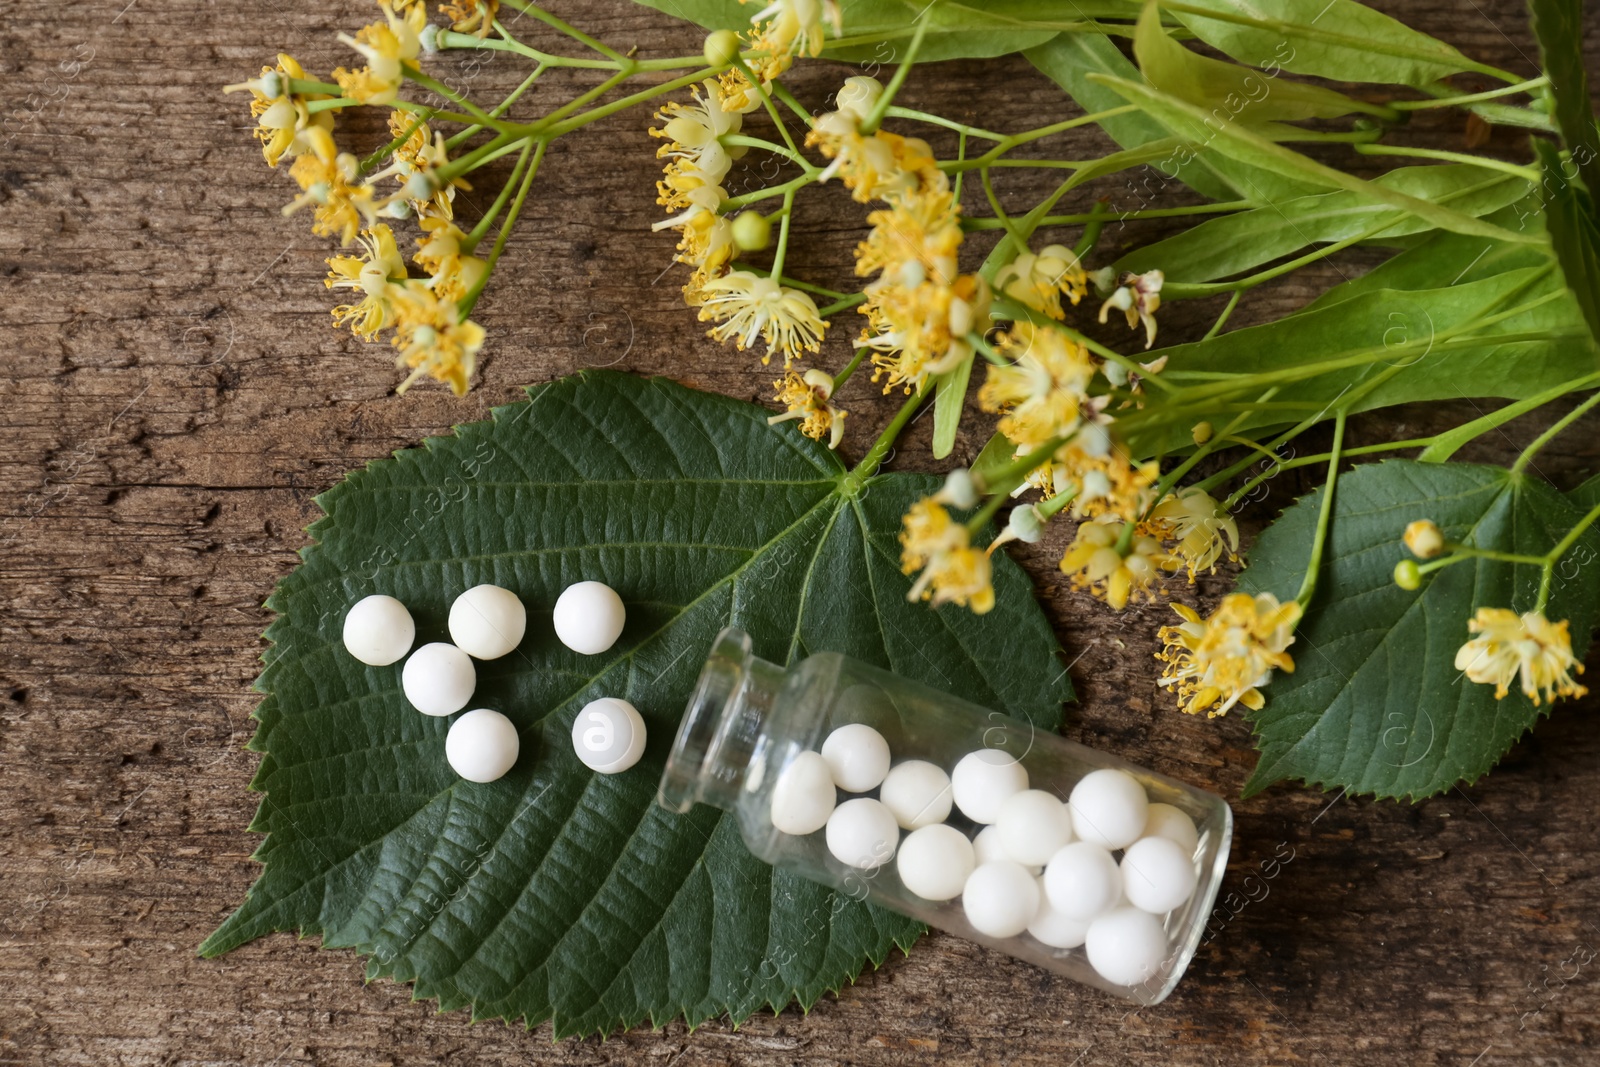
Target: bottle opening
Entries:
(694, 771)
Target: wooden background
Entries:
(174, 397)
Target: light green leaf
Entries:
(1070, 59)
(947, 405)
(1411, 343)
(1232, 244)
(1586, 496)
(1375, 704)
(997, 452)
(1574, 234)
(557, 893)
(1559, 26)
(1247, 94)
(1337, 39)
(1234, 140)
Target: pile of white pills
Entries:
(1097, 871)
(487, 622)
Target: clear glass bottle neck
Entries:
(711, 755)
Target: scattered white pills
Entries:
(608, 735)
(378, 630)
(438, 679)
(1166, 821)
(935, 862)
(917, 793)
(1157, 875)
(862, 833)
(983, 780)
(487, 621)
(1052, 928)
(1033, 825)
(482, 745)
(803, 798)
(1109, 808)
(1126, 946)
(1082, 880)
(858, 756)
(1000, 899)
(589, 617)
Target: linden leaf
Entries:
(557, 893)
(1375, 703)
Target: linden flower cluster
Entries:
(295, 118)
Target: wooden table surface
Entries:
(173, 398)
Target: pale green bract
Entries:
(557, 893)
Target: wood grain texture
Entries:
(173, 398)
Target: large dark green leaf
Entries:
(1231, 244)
(1337, 39)
(556, 893)
(1574, 234)
(1375, 704)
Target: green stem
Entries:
(849, 368)
(900, 73)
(1560, 550)
(766, 101)
(471, 299)
(783, 234)
(499, 110)
(1000, 212)
(1147, 213)
(733, 203)
(1543, 439)
(1308, 586)
(484, 223)
(389, 149)
(1469, 98)
(1222, 319)
(898, 112)
(851, 483)
(1527, 174)
(842, 304)
(1091, 231)
(622, 104)
(577, 35)
(433, 85)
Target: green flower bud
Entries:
(722, 47)
(751, 231)
(1407, 575)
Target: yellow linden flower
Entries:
(375, 273)
(342, 208)
(1528, 645)
(413, 165)
(884, 166)
(1424, 538)
(433, 339)
(390, 47)
(283, 125)
(1039, 281)
(953, 571)
(1202, 529)
(453, 274)
(748, 306)
(1224, 660)
(1043, 390)
(1095, 565)
(794, 27)
(921, 330)
(471, 16)
(915, 239)
(806, 396)
(1137, 296)
(691, 132)
(1111, 484)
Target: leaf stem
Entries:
(852, 482)
(1543, 439)
(1308, 585)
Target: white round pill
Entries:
(862, 833)
(1169, 822)
(1082, 880)
(983, 780)
(438, 679)
(487, 621)
(482, 745)
(1033, 825)
(1109, 808)
(1052, 928)
(987, 847)
(918, 793)
(1000, 899)
(935, 862)
(803, 797)
(589, 617)
(1157, 875)
(1126, 946)
(858, 756)
(378, 630)
(608, 735)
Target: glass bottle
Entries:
(749, 721)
